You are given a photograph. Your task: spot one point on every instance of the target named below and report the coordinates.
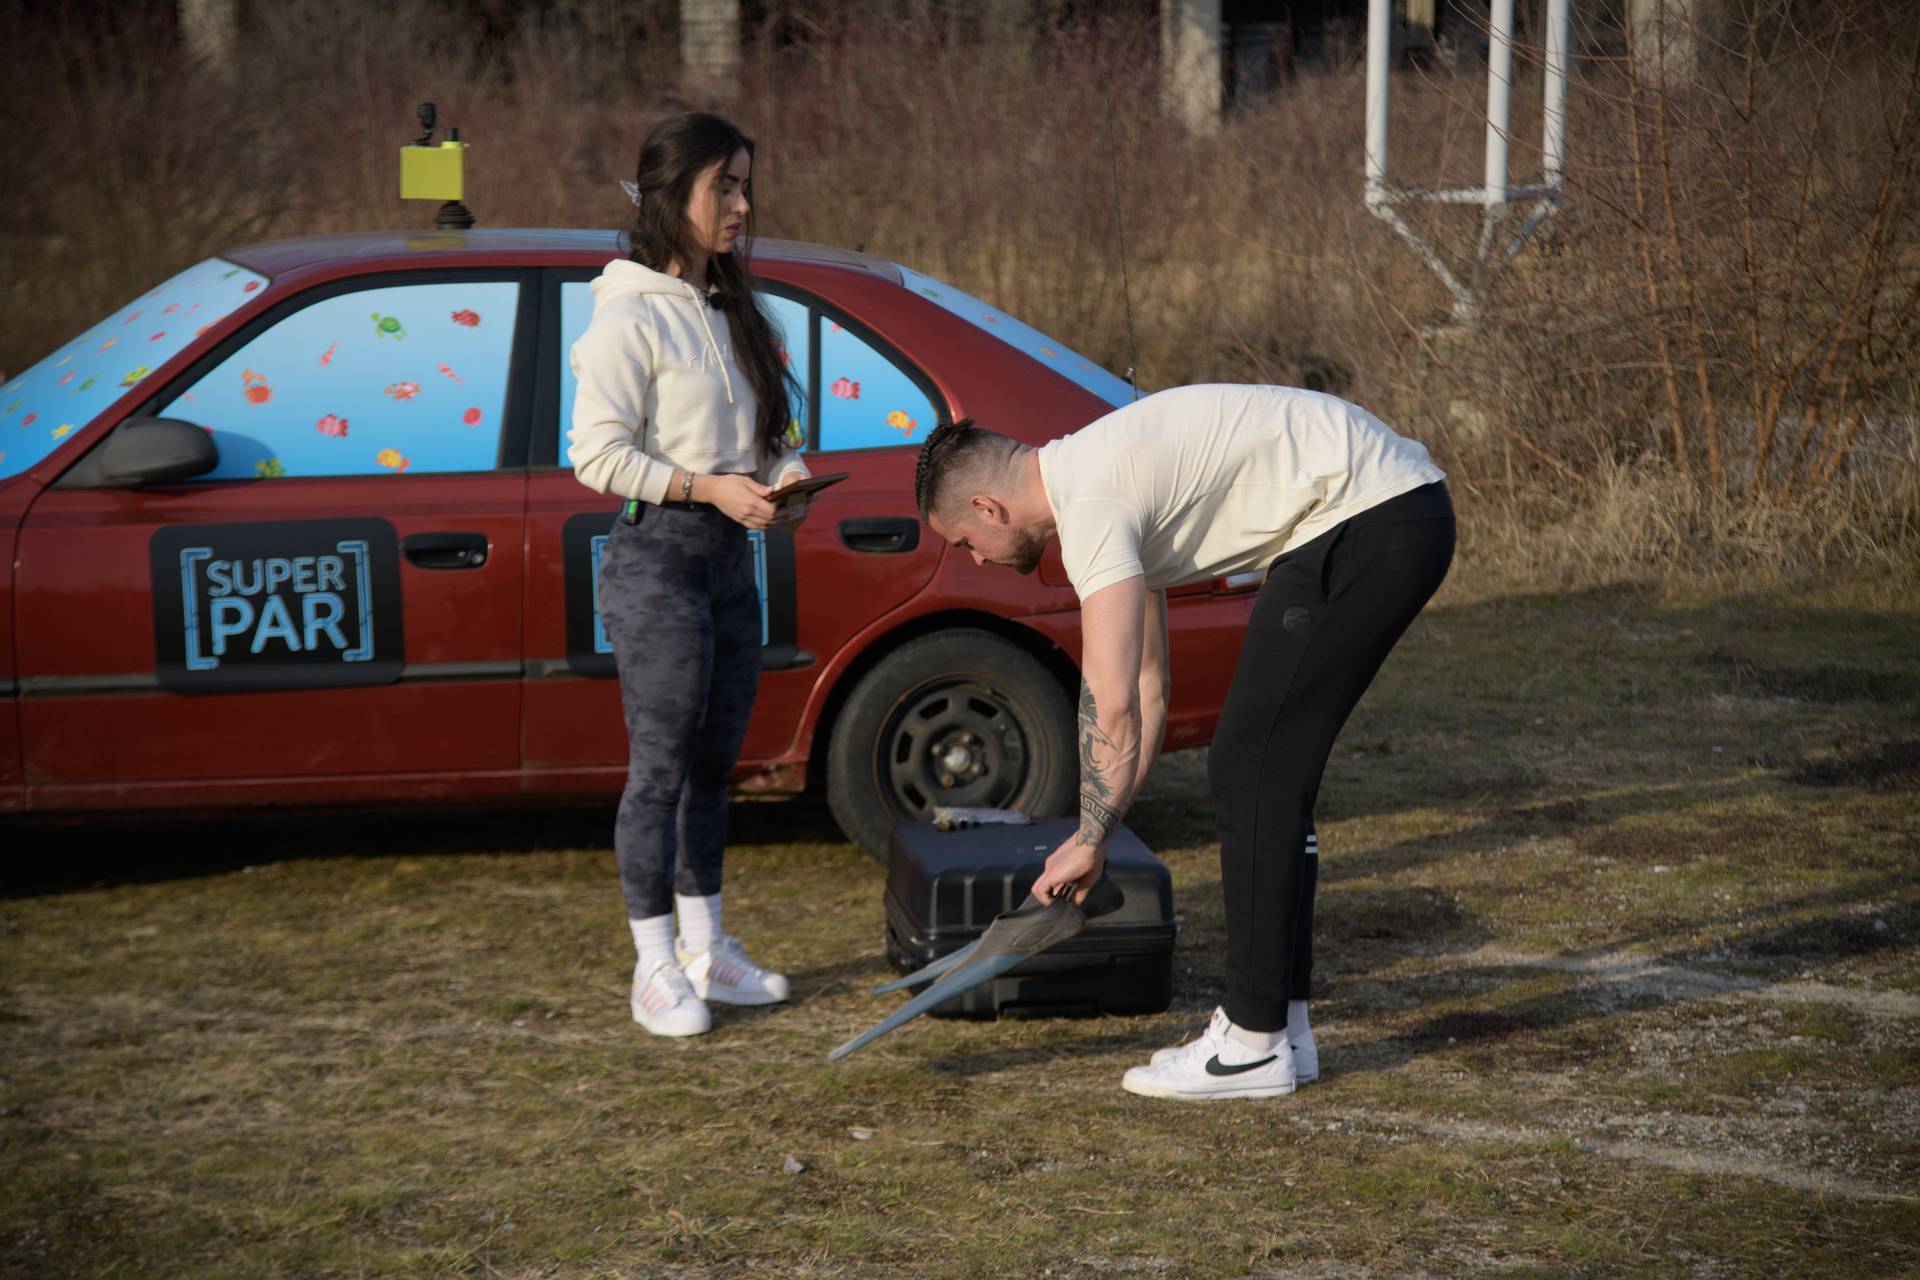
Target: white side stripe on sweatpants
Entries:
(1313, 845)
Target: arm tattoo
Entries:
(1098, 817)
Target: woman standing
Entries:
(683, 408)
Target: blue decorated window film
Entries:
(576, 312)
(790, 330)
(397, 379)
(793, 330)
(1023, 338)
(867, 401)
(603, 643)
(53, 399)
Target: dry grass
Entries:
(1617, 954)
(1008, 160)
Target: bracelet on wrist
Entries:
(686, 486)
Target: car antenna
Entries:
(428, 172)
(1120, 239)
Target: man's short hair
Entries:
(956, 456)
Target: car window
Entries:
(64, 392)
(398, 378)
(1023, 338)
(576, 311)
(866, 400)
(793, 328)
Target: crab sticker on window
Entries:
(303, 604)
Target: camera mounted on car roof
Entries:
(430, 172)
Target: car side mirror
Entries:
(148, 451)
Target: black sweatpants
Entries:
(1326, 618)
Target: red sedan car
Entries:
(296, 528)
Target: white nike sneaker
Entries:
(665, 1003)
(723, 974)
(1215, 1066)
(1306, 1056)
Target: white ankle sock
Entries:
(1297, 1028)
(1258, 1041)
(653, 939)
(699, 921)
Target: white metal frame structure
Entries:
(1494, 195)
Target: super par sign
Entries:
(300, 604)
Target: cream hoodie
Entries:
(658, 389)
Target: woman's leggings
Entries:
(678, 599)
(1324, 621)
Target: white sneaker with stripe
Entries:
(1216, 1066)
(665, 1004)
(1306, 1056)
(723, 974)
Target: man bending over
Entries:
(1354, 527)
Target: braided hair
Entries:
(943, 440)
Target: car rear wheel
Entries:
(961, 717)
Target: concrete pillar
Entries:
(1190, 39)
(210, 29)
(1666, 40)
(710, 45)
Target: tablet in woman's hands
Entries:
(793, 491)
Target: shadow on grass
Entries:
(1839, 933)
(58, 857)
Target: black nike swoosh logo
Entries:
(1215, 1067)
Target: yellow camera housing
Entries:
(433, 173)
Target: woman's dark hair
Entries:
(674, 155)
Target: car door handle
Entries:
(881, 535)
(446, 550)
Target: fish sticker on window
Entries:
(900, 422)
(846, 389)
(331, 425)
(451, 374)
(255, 387)
(62, 430)
(471, 417)
(468, 317)
(326, 357)
(134, 375)
(403, 390)
(392, 459)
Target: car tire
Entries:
(961, 717)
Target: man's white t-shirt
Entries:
(1205, 481)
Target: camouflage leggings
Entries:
(678, 600)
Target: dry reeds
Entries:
(1705, 362)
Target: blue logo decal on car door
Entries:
(292, 605)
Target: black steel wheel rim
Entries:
(954, 741)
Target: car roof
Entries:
(550, 245)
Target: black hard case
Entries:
(945, 887)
